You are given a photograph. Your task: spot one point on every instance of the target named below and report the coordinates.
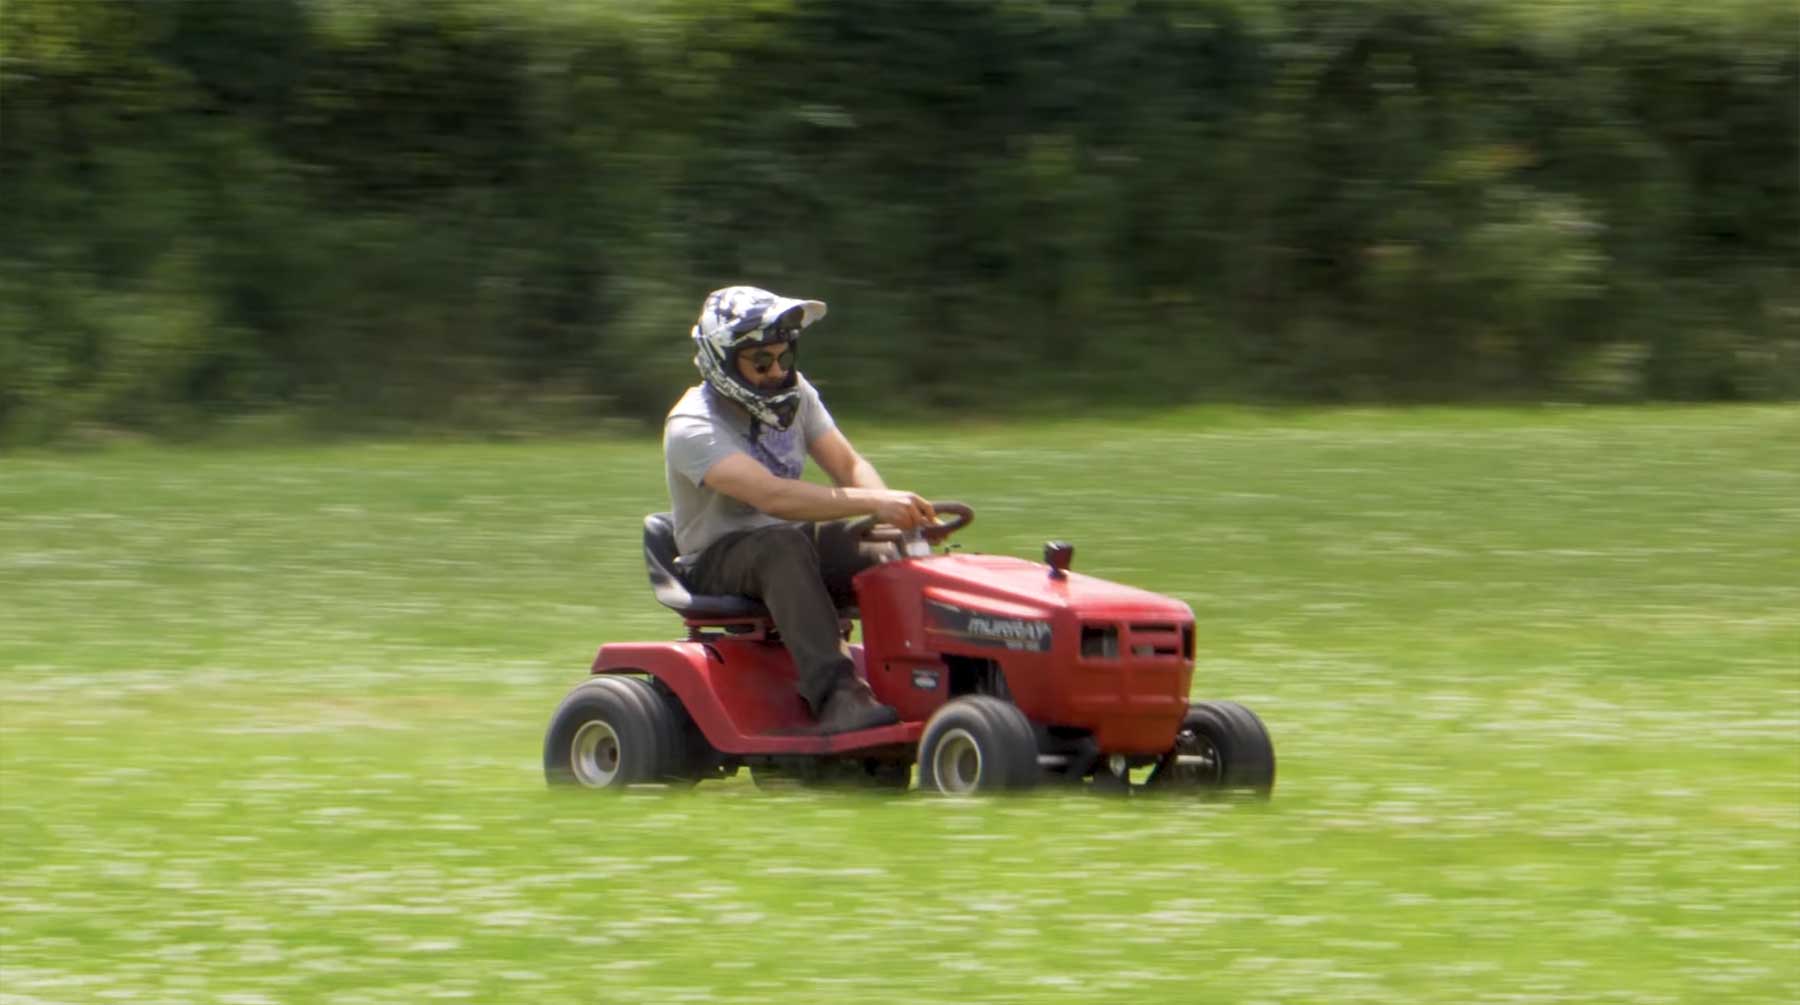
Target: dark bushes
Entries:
(454, 212)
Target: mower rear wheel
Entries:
(606, 735)
(679, 757)
(975, 745)
(1221, 746)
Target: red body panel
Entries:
(917, 612)
(1132, 703)
(741, 695)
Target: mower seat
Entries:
(671, 592)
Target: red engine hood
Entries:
(1024, 588)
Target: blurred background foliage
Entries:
(487, 214)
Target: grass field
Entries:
(270, 726)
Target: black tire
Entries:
(696, 759)
(604, 735)
(667, 720)
(975, 745)
(1232, 739)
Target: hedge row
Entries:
(461, 211)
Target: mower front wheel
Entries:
(1221, 746)
(976, 745)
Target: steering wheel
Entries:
(867, 529)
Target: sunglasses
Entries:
(762, 359)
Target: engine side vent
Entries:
(969, 675)
(1099, 642)
(1157, 638)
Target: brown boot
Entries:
(852, 706)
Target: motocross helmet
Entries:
(740, 316)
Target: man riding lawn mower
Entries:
(991, 672)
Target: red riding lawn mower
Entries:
(1007, 674)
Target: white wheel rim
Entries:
(957, 763)
(594, 754)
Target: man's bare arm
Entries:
(843, 464)
(792, 499)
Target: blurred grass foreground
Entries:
(270, 723)
(478, 213)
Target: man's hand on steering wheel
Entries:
(932, 528)
(904, 510)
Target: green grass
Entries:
(270, 726)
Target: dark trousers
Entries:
(800, 573)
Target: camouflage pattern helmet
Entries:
(740, 316)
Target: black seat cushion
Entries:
(671, 592)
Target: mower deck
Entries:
(900, 734)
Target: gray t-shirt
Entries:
(703, 429)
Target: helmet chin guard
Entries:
(771, 408)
